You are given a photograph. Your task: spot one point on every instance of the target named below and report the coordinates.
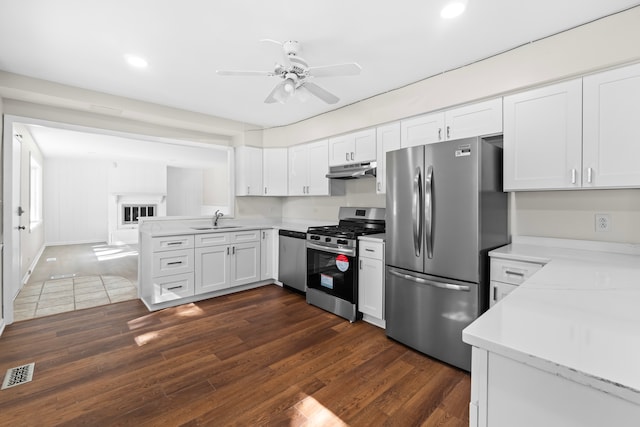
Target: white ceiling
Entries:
(82, 43)
(67, 143)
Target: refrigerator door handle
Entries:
(422, 281)
(429, 210)
(417, 212)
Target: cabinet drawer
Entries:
(174, 287)
(513, 272)
(172, 262)
(371, 249)
(212, 239)
(245, 236)
(170, 243)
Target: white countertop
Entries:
(166, 226)
(578, 317)
(373, 237)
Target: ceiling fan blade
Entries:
(244, 73)
(348, 69)
(321, 93)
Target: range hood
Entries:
(358, 170)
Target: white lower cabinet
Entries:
(506, 393)
(268, 253)
(206, 264)
(371, 281)
(227, 265)
(506, 275)
(212, 269)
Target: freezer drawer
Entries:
(429, 313)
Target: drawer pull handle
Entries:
(495, 294)
(173, 243)
(369, 250)
(174, 288)
(514, 273)
(174, 263)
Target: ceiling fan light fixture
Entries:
(289, 86)
(453, 9)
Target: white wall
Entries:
(184, 191)
(75, 200)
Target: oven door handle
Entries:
(351, 252)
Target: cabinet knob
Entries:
(439, 133)
(346, 156)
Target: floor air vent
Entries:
(18, 375)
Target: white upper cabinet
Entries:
(543, 138)
(482, 118)
(274, 176)
(388, 139)
(248, 171)
(308, 167)
(582, 133)
(425, 129)
(355, 147)
(611, 133)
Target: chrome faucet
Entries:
(217, 216)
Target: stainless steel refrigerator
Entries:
(445, 211)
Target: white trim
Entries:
(75, 242)
(2, 325)
(32, 267)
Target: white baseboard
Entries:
(25, 279)
(77, 242)
(2, 325)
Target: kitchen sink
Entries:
(220, 227)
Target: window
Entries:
(35, 193)
(131, 213)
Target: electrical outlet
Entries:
(603, 222)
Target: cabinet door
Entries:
(543, 138)
(364, 146)
(420, 130)
(611, 140)
(341, 150)
(212, 269)
(317, 167)
(298, 173)
(267, 253)
(245, 263)
(248, 171)
(370, 287)
(274, 171)
(388, 139)
(482, 118)
(498, 291)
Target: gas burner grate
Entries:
(18, 375)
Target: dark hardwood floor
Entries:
(260, 357)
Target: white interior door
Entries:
(12, 217)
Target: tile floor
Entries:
(54, 296)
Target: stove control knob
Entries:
(327, 239)
(342, 242)
(315, 237)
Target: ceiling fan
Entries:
(295, 74)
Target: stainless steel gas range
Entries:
(332, 260)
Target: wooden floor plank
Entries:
(260, 357)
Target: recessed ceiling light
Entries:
(453, 9)
(136, 61)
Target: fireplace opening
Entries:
(131, 213)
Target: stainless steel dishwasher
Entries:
(292, 263)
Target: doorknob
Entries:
(21, 227)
